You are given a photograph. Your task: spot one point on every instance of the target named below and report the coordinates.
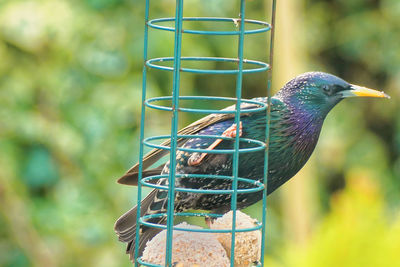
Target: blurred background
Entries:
(70, 88)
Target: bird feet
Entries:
(209, 220)
(196, 158)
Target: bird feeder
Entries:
(178, 69)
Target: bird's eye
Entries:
(326, 89)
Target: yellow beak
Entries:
(361, 91)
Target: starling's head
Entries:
(319, 92)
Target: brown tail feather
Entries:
(125, 226)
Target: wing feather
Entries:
(131, 176)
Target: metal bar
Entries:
(271, 45)
(142, 121)
(174, 129)
(239, 81)
(267, 130)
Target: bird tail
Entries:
(125, 226)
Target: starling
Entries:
(297, 113)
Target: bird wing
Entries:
(131, 176)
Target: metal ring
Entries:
(258, 186)
(260, 66)
(262, 105)
(192, 214)
(154, 23)
(259, 145)
(144, 263)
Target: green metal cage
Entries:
(175, 98)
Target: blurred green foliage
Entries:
(356, 232)
(70, 88)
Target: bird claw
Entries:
(196, 158)
(231, 131)
(209, 220)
